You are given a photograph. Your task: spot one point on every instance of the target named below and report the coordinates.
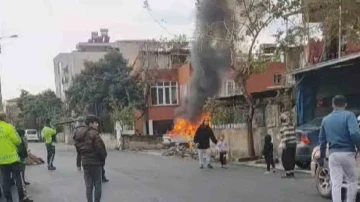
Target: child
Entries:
(222, 147)
(268, 154)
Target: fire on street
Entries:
(145, 178)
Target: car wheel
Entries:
(303, 164)
(323, 182)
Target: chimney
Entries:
(94, 36)
(105, 35)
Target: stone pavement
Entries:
(136, 177)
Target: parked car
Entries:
(322, 174)
(32, 135)
(307, 139)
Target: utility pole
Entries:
(340, 41)
(1, 38)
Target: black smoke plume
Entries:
(210, 57)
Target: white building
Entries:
(68, 65)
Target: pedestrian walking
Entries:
(79, 126)
(93, 156)
(341, 132)
(10, 161)
(288, 142)
(222, 148)
(23, 154)
(268, 153)
(202, 140)
(49, 135)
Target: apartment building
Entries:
(167, 73)
(68, 65)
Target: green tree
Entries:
(102, 83)
(35, 109)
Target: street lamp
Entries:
(11, 36)
(4, 37)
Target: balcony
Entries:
(318, 54)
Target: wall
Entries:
(158, 113)
(237, 140)
(236, 134)
(135, 142)
(261, 81)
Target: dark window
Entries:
(277, 78)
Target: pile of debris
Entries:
(182, 151)
(33, 160)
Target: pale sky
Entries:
(48, 27)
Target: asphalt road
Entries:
(146, 178)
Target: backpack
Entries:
(22, 150)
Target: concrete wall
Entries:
(237, 140)
(109, 140)
(134, 142)
(236, 134)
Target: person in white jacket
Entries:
(223, 148)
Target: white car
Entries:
(174, 140)
(32, 135)
(322, 174)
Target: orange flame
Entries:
(187, 129)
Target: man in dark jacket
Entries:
(93, 156)
(79, 126)
(202, 140)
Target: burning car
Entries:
(183, 132)
(169, 140)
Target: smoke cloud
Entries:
(210, 57)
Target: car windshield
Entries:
(314, 123)
(31, 132)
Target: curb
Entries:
(264, 166)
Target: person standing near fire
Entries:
(288, 142)
(202, 141)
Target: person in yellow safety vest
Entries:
(10, 161)
(49, 135)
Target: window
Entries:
(59, 68)
(164, 93)
(277, 78)
(230, 88)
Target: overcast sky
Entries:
(48, 27)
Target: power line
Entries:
(157, 21)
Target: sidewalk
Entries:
(246, 163)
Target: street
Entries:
(146, 178)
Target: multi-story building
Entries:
(167, 74)
(68, 65)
